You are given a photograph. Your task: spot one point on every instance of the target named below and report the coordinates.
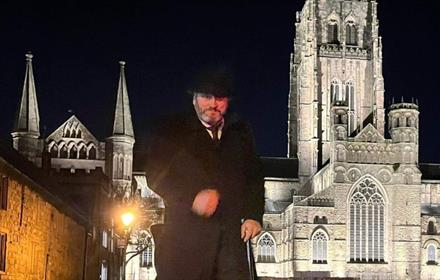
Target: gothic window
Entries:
(367, 225)
(4, 192)
(3, 251)
(147, 257)
(54, 151)
(73, 133)
(67, 133)
(431, 254)
(92, 153)
(351, 34)
(73, 153)
(319, 242)
(83, 152)
(431, 228)
(120, 168)
(78, 134)
(63, 152)
(266, 249)
(349, 92)
(332, 32)
(336, 92)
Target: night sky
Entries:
(77, 46)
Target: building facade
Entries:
(97, 176)
(359, 205)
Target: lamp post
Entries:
(127, 219)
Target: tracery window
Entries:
(431, 254)
(351, 34)
(147, 257)
(266, 249)
(367, 225)
(332, 32)
(319, 241)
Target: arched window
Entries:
(431, 228)
(351, 34)
(266, 249)
(63, 152)
(78, 134)
(147, 257)
(349, 93)
(367, 225)
(319, 241)
(54, 151)
(332, 32)
(431, 254)
(336, 92)
(83, 152)
(73, 153)
(92, 153)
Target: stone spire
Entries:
(26, 131)
(122, 125)
(27, 118)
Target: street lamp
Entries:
(127, 219)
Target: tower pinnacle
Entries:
(27, 118)
(122, 125)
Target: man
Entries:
(203, 163)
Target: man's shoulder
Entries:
(172, 123)
(234, 121)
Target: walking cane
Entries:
(250, 259)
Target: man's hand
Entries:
(250, 229)
(205, 203)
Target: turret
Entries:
(403, 124)
(26, 131)
(119, 146)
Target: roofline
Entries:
(55, 200)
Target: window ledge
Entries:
(319, 262)
(432, 263)
(367, 262)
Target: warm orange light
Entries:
(127, 218)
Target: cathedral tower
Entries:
(119, 146)
(337, 61)
(26, 131)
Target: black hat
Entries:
(215, 80)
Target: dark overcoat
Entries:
(183, 160)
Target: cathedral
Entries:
(355, 202)
(351, 199)
(71, 153)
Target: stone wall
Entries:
(42, 241)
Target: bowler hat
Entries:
(214, 80)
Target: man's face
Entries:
(209, 108)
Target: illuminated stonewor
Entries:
(347, 202)
(96, 177)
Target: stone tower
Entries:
(403, 122)
(337, 61)
(119, 146)
(26, 131)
